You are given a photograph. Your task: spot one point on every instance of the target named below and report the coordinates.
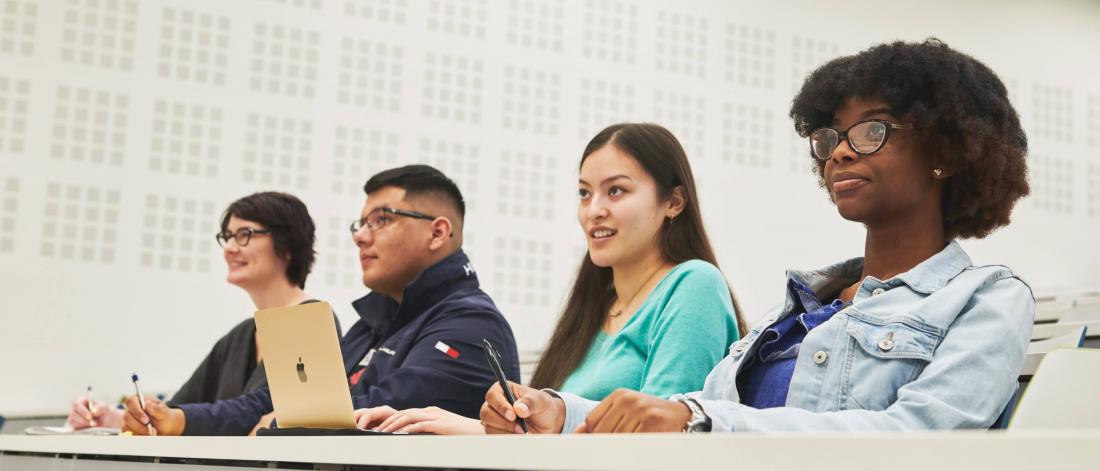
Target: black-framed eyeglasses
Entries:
(378, 218)
(243, 236)
(864, 137)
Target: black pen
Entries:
(493, 358)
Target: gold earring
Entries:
(937, 172)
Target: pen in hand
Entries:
(91, 408)
(141, 402)
(493, 358)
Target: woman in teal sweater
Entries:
(649, 309)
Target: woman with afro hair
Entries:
(919, 143)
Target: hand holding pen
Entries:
(141, 402)
(495, 364)
(149, 416)
(513, 408)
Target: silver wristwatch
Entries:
(700, 421)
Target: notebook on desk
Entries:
(305, 371)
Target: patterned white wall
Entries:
(126, 126)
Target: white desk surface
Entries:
(1055, 449)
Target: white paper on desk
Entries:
(66, 430)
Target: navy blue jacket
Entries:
(424, 352)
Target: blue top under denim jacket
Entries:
(938, 347)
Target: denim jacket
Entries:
(938, 347)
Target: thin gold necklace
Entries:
(619, 312)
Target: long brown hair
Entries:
(682, 239)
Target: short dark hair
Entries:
(419, 180)
(291, 227)
(958, 107)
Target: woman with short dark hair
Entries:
(919, 143)
(267, 242)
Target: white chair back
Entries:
(1038, 349)
(1063, 392)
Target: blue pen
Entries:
(141, 401)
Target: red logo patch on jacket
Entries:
(450, 351)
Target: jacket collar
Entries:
(384, 314)
(927, 277)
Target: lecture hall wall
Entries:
(127, 126)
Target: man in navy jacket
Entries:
(418, 340)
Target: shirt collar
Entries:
(927, 277)
(434, 283)
(933, 273)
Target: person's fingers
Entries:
(582, 428)
(495, 422)
(496, 400)
(374, 415)
(131, 423)
(401, 420)
(157, 410)
(362, 420)
(133, 407)
(80, 407)
(522, 409)
(597, 414)
(607, 423)
(420, 427)
(391, 418)
(77, 421)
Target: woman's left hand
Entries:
(626, 411)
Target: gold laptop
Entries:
(305, 371)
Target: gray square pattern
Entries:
(682, 43)
(799, 159)
(277, 151)
(1052, 183)
(14, 97)
(531, 100)
(193, 46)
(310, 4)
(1094, 190)
(610, 31)
(603, 103)
(100, 33)
(522, 270)
(382, 11)
(90, 125)
(459, 160)
(370, 74)
(358, 153)
(1092, 121)
(338, 257)
(1052, 109)
(808, 54)
(685, 114)
(453, 87)
(186, 139)
(466, 18)
(536, 24)
(9, 213)
(284, 60)
(750, 56)
(177, 234)
(18, 20)
(747, 135)
(80, 223)
(527, 186)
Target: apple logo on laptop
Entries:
(301, 370)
